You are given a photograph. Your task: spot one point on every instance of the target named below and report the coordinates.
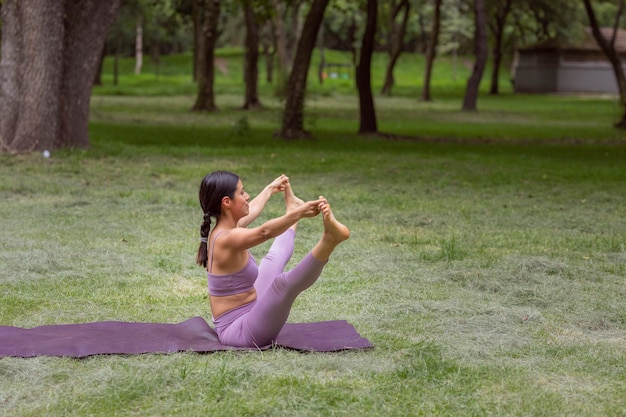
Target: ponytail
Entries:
(205, 229)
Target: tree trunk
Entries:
(50, 54)
(322, 65)
(608, 47)
(431, 52)
(116, 59)
(423, 44)
(280, 42)
(251, 70)
(139, 45)
(209, 15)
(268, 51)
(197, 13)
(363, 72)
(480, 50)
(294, 30)
(97, 79)
(500, 17)
(396, 43)
(293, 123)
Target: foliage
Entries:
(457, 28)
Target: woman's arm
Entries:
(257, 204)
(241, 238)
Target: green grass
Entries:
(486, 262)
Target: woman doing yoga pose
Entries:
(250, 304)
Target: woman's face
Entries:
(239, 202)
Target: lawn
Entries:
(486, 262)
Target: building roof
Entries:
(586, 43)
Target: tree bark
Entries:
(50, 54)
(431, 52)
(500, 16)
(396, 43)
(608, 47)
(364, 72)
(480, 50)
(209, 11)
(139, 45)
(293, 116)
(251, 70)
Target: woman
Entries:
(250, 303)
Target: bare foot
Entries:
(291, 200)
(332, 228)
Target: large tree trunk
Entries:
(364, 72)
(499, 23)
(50, 54)
(293, 123)
(251, 71)
(431, 52)
(480, 50)
(209, 11)
(608, 47)
(396, 42)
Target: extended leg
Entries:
(270, 313)
(268, 316)
(273, 264)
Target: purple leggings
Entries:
(258, 323)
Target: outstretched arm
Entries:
(242, 238)
(257, 204)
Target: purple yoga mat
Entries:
(114, 337)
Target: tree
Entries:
(293, 123)
(480, 51)
(534, 21)
(206, 22)
(395, 42)
(251, 68)
(499, 12)
(431, 51)
(50, 53)
(280, 42)
(608, 47)
(364, 72)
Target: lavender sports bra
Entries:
(230, 284)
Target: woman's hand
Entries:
(279, 184)
(311, 208)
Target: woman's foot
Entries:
(292, 202)
(333, 229)
(334, 233)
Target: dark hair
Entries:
(214, 187)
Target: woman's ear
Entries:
(226, 202)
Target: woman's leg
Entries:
(271, 310)
(258, 323)
(273, 264)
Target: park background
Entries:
(486, 262)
